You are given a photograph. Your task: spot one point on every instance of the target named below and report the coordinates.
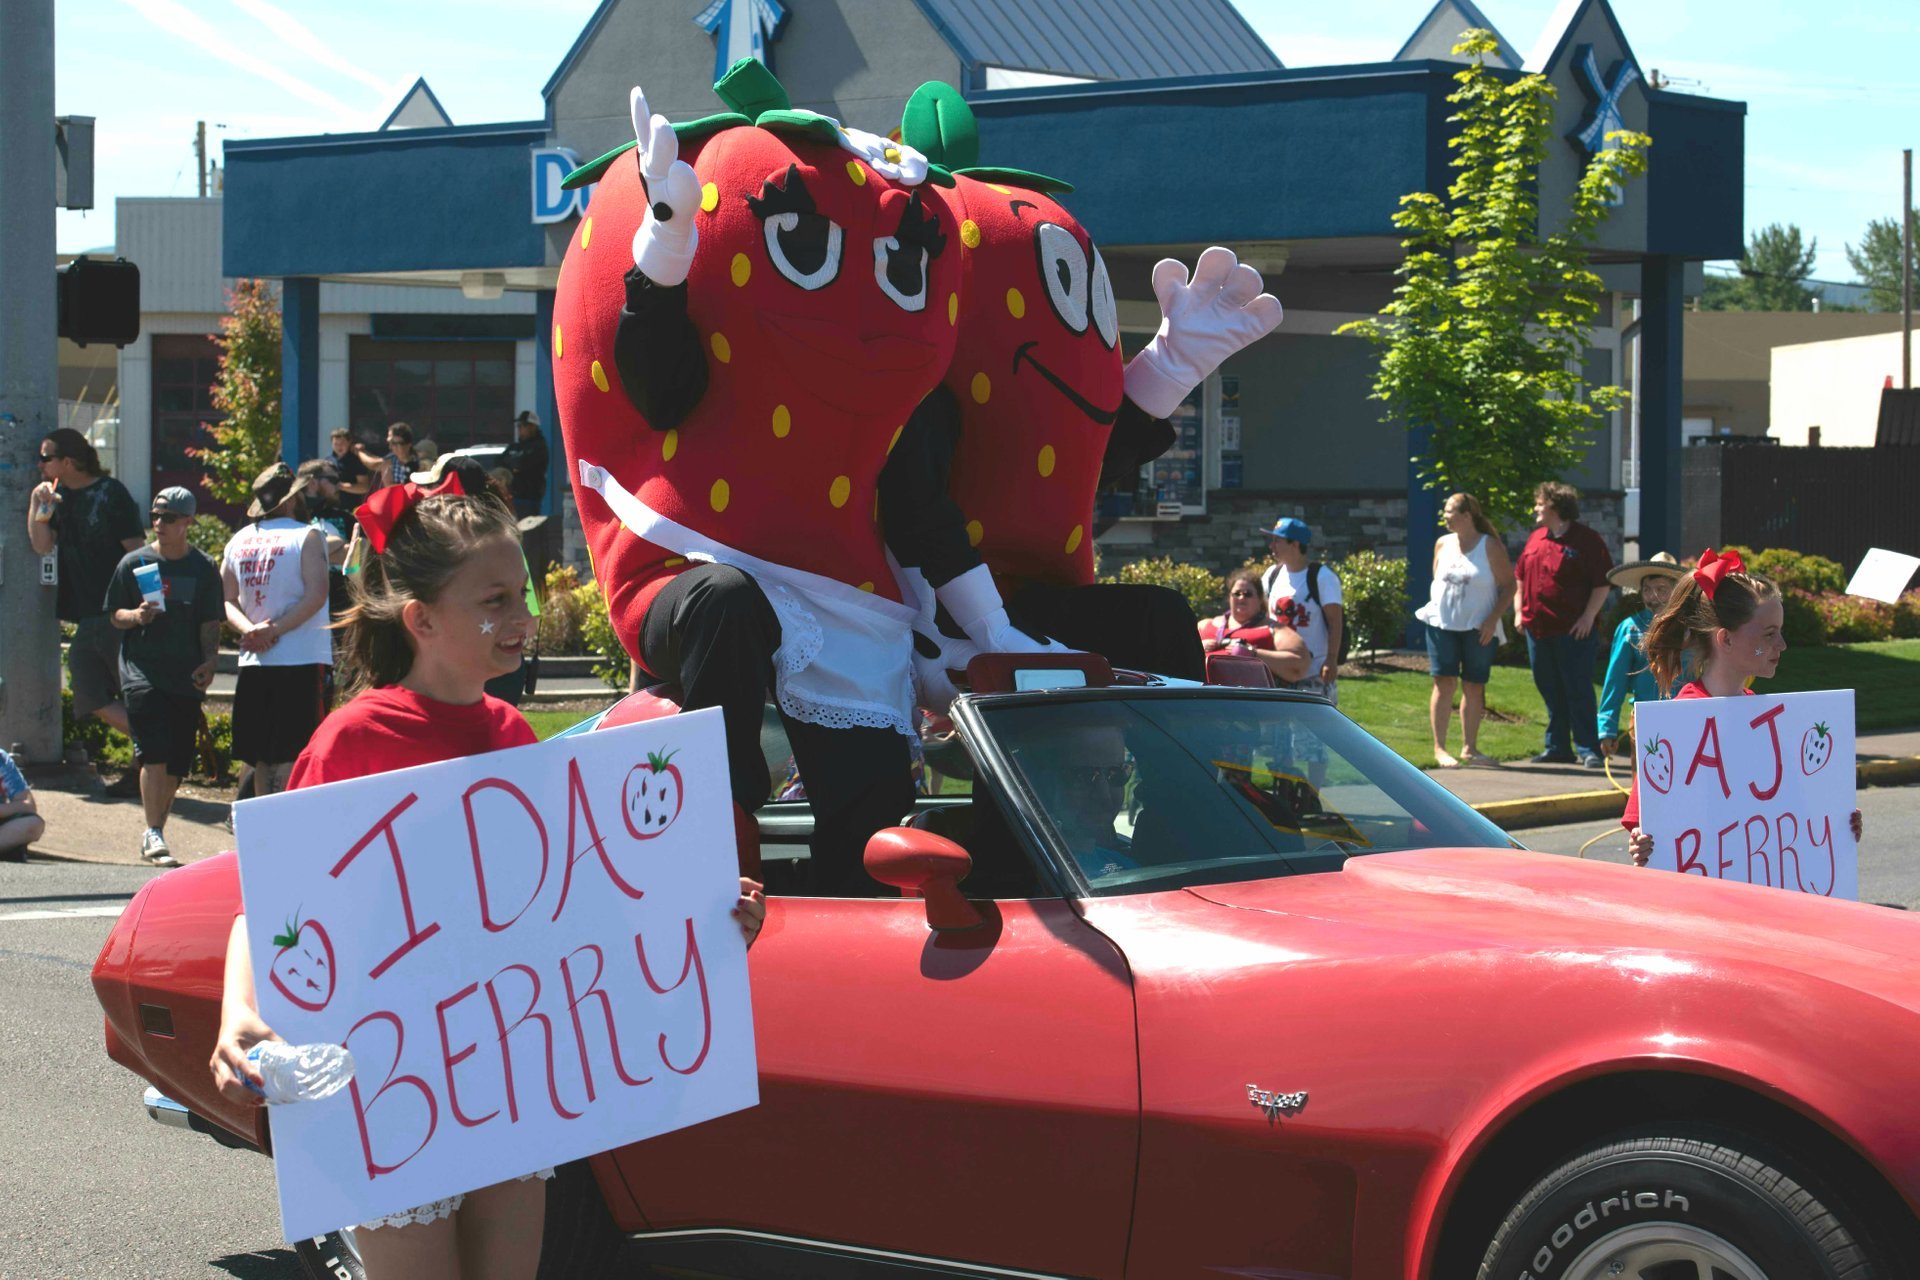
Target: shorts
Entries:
(434, 1210)
(166, 727)
(93, 665)
(1459, 653)
(276, 710)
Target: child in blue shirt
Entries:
(1627, 671)
(20, 822)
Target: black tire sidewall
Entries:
(324, 1258)
(1641, 1185)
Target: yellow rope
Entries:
(1616, 828)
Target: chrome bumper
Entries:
(165, 1110)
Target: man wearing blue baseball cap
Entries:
(1305, 595)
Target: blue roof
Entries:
(1100, 39)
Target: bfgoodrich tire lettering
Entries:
(329, 1257)
(1713, 1199)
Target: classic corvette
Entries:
(1133, 996)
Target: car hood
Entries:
(1437, 900)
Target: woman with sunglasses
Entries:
(1245, 629)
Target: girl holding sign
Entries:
(1731, 623)
(438, 611)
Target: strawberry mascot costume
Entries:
(1038, 412)
(744, 323)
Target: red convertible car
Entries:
(1168, 981)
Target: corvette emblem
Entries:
(1274, 1105)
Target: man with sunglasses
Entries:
(167, 655)
(89, 517)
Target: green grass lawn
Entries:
(1392, 705)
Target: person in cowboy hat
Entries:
(1627, 671)
(275, 575)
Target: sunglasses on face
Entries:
(166, 519)
(49, 457)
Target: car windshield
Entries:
(1153, 792)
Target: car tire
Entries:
(1652, 1204)
(580, 1241)
(330, 1257)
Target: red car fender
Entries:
(1841, 1089)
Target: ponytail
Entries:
(1692, 617)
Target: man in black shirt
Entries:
(91, 520)
(167, 656)
(526, 457)
(354, 465)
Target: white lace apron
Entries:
(863, 679)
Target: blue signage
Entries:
(551, 201)
(1606, 117)
(741, 29)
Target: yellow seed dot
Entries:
(855, 172)
(722, 349)
(670, 444)
(842, 489)
(586, 233)
(1016, 305)
(970, 234)
(866, 586)
(709, 198)
(1005, 191)
(1046, 459)
(896, 437)
(673, 562)
(982, 388)
(1073, 539)
(974, 533)
(742, 268)
(556, 342)
(719, 495)
(953, 310)
(599, 376)
(782, 421)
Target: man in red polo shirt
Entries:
(1561, 580)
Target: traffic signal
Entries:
(99, 301)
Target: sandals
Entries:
(1478, 760)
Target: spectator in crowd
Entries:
(1562, 578)
(354, 465)
(91, 520)
(500, 482)
(275, 578)
(1244, 628)
(166, 656)
(1628, 672)
(20, 821)
(400, 460)
(425, 454)
(1472, 587)
(527, 458)
(1304, 596)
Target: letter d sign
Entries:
(552, 203)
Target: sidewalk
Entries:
(1516, 796)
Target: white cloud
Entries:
(298, 36)
(179, 21)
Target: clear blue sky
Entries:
(1830, 90)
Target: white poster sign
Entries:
(1883, 575)
(531, 954)
(1759, 789)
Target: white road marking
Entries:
(64, 913)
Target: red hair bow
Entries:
(1714, 567)
(380, 512)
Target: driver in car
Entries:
(1082, 779)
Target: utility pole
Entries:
(29, 362)
(200, 154)
(1906, 274)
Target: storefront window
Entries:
(453, 393)
(184, 368)
(1175, 484)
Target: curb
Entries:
(1594, 806)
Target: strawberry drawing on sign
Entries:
(1816, 748)
(303, 967)
(1657, 768)
(650, 797)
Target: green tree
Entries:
(247, 390)
(1773, 274)
(1483, 340)
(1877, 262)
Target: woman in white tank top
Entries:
(1472, 589)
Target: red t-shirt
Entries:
(1558, 576)
(1631, 818)
(396, 728)
(1255, 635)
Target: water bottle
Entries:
(300, 1072)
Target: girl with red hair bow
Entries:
(1732, 621)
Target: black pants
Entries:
(712, 633)
(1143, 627)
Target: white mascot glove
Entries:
(934, 654)
(1202, 323)
(663, 246)
(976, 607)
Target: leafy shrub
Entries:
(210, 534)
(1374, 588)
(107, 748)
(1906, 616)
(220, 730)
(1805, 625)
(598, 638)
(1851, 619)
(1204, 590)
(1792, 570)
(562, 608)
